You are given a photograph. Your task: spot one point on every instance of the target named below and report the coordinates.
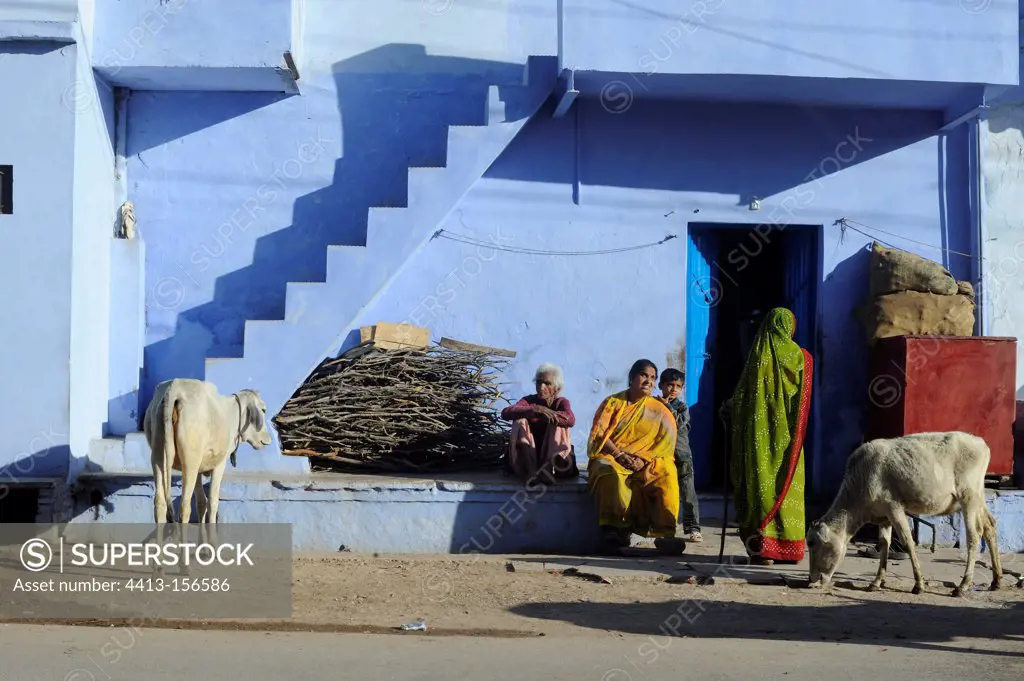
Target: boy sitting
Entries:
(671, 385)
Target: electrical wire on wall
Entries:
(845, 224)
(472, 241)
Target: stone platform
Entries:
(487, 513)
(463, 513)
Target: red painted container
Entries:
(919, 384)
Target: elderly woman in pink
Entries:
(540, 443)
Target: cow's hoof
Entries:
(957, 592)
(917, 589)
(875, 586)
(996, 585)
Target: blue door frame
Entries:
(703, 292)
(705, 281)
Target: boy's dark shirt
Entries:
(682, 414)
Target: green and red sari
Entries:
(770, 409)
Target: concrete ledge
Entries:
(1008, 508)
(483, 512)
(37, 31)
(182, 45)
(265, 78)
(130, 455)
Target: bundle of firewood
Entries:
(399, 410)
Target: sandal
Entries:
(613, 540)
(670, 546)
(695, 536)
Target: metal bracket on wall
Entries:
(6, 189)
(566, 91)
(290, 64)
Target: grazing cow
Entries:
(923, 474)
(194, 429)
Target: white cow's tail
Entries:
(172, 414)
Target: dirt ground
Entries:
(516, 596)
(463, 593)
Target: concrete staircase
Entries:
(279, 354)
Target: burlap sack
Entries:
(964, 288)
(912, 312)
(894, 271)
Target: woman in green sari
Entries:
(770, 409)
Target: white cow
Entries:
(923, 474)
(194, 429)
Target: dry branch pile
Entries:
(374, 410)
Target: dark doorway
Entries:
(736, 274)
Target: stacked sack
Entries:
(911, 295)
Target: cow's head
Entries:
(826, 549)
(253, 428)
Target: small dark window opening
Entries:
(20, 505)
(6, 190)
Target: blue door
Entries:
(703, 292)
(800, 253)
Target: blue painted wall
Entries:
(49, 11)
(217, 258)
(35, 259)
(649, 172)
(185, 44)
(127, 335)
(238, 193)
(56, 253)
(95, 202)
(972, 41)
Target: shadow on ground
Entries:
(853, 620)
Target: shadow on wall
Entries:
(49, 462)
(844, 384)
(125, 411)
(706, 147)
(94, 499)
(747, 150)
(396, 105)
(955, 166)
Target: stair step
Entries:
(469, 144)
(318, 313)
(415, 175)
(495, 112)
(298, 296)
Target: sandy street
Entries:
(526, 617)
(33, 653)
(523, 617)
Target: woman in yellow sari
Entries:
(632, 470)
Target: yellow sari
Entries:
(645, 502)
